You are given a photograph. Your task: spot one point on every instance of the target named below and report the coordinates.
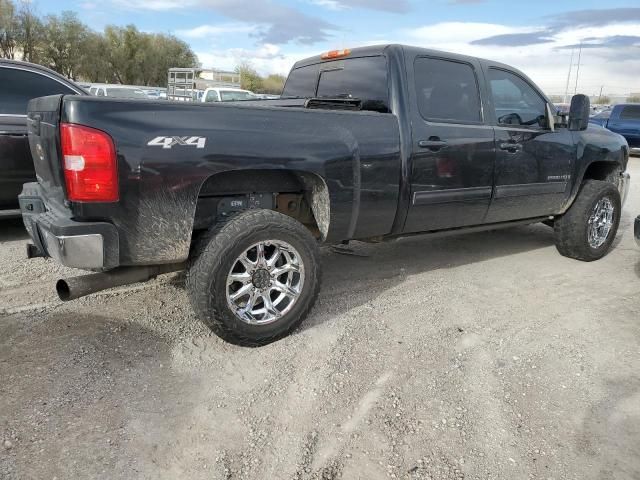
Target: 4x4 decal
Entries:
(168, 142)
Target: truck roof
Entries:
(44, 70)
(373, 50)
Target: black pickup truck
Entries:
(19, 83)
(371, 144)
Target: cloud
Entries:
(568, 21)
(515, 39)
(393, 6)
(615, 41)
(594, 17)
(612, 60)
(276, 23)
(266, 59)
(329, 4)
(207, 31)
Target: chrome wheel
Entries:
(600, 222)
(265, 282)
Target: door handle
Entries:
(434, 144)
(511, 147)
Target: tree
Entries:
(63, 43)
(138, 58)
(166, 51)
(274, 84)
(30, 33)
(633, 99)
(603, 100)
(94, 66)
(8, 29)
(64, 36)
(249, 78)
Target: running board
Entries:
(477, 228)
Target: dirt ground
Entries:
(483, 356)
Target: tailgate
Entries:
(43, 126)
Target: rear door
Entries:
(453, 150)
(18, 86)
(626, 122)
(533, 163)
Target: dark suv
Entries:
(19, 83)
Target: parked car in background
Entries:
(367, 144)
(118, 91)
(218, 94)
(266, 96)
(19, 83)
(624, 119)
(155, 93)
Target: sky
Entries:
(537, 37)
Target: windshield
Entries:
(125, 93)
(363, 78)
(234, 95)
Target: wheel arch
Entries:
(605, 170)
(310, 185)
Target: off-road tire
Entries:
(212, 258)
(570, 230)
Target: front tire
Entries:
(587, 230)
(254, 277)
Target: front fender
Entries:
(598, 145)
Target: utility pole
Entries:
(575, 90)
(566, 90)
(600, 96)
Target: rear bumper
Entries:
(636, 230)
(85, 245)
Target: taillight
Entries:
(89, 164)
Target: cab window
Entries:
(212, 96)
(630, 112)
(20, 86)
(447, 91)
(515, 101)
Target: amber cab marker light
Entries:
(336, 54)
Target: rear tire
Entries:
(245, 253)
(574, 232)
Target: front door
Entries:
(453, 149)
(533, 163)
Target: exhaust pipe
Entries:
(76, 287)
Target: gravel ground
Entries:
(483, 356)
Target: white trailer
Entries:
(188, 84)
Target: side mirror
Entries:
(579, 112)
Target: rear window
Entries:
(362, 78)
(234, 95)
(20, 86)
(630, 112)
